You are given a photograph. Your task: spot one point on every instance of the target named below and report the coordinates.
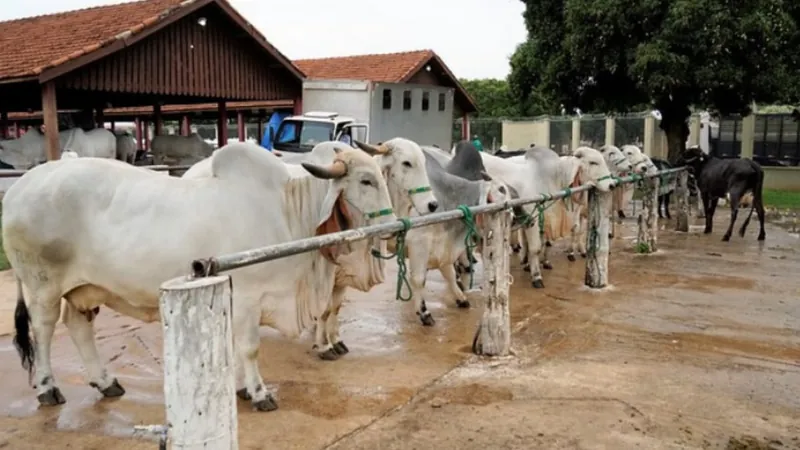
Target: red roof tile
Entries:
(381, 68)
(31, 45)
(386, 68)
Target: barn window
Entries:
(442, 101)
(426, 100)
(387, 99)
(406, 100)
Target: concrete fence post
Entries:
(575, 142)
(682, 196)
(493, 337)
(647, 220)
(199, 371)
(597, 242)
(611, 125)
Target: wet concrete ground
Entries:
(697, 346)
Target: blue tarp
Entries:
(272, 124)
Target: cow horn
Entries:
(372, 150)
(338, 149)
(485, 176)
(337, 169)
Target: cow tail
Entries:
(758, 191)
(22, 337)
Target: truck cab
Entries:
(299, 134)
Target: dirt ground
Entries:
(695, 347)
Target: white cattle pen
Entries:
(200, 378)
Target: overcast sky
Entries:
(474, 37)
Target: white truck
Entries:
(369, 112)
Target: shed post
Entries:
(199, 373)
(260, 127)
(113, 126)
(222, 124)
(17, 130)
(240, 126)
(50, 115)
(157, 120)
(465, 131)
(138, 130)
(493, 336)
(682, 195)
(597, 244)
(146, 130)
(298, 106)
(99, 118)
(186, 125)
(3, 125)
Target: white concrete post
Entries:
(199, 371)
(611, 125)
(493, 337)
(597, 242)
(682, 195)
(576, 134)
(648, 218)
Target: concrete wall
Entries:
(431, 127)
(782, 178)
(348, 98)
(521, 134)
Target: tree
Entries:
(611, 55)
(492, 97)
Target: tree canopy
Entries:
(492, 97)
(615, 55)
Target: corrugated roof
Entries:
(31, 45)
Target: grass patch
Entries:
(781, 199)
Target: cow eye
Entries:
(407, 164)
(502, 189)
(593, 163)
(366, 182)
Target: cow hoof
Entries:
(114, 390)
(762, 236)
(583, 255)
(726, 238)
(548, 244)
(526, 268)
(243, 394)
(546, 265)
(538, 284)
(427, 320)
(52, 397)
(266, 405)
(669, 217)
(340, 348)
(329, 355)
(516, 248)
(472, 260)
(571, 257)
(706, 231)
(620, 214)
(462, 303)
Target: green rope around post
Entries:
(470, 239)
(400, 253)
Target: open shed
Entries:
(149, 53)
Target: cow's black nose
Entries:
(612, 186)
(432, 206)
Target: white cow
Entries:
(538, 172)
(620, 166)
(403, 166)
(84, 242)
(173, 149)
(29, 150)
(126, 147)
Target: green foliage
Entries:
(782, 199)
(492, 97)
(615, 55)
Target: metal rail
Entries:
(13, 173)
(215, 265)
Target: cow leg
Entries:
(660, 204)
(582, 236)
(246, 344)
(736, 195)
(708, 204)
(332, 324)
(44, 309)
(667, 196)
(534, 249)
(523, 253)
(81, 330)
(418, 268)
(322, 343)
(449, 274)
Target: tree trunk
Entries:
(675, 123)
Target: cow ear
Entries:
(335, 217)
(485, 176)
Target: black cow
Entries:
(717, 177)
(665, 188)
